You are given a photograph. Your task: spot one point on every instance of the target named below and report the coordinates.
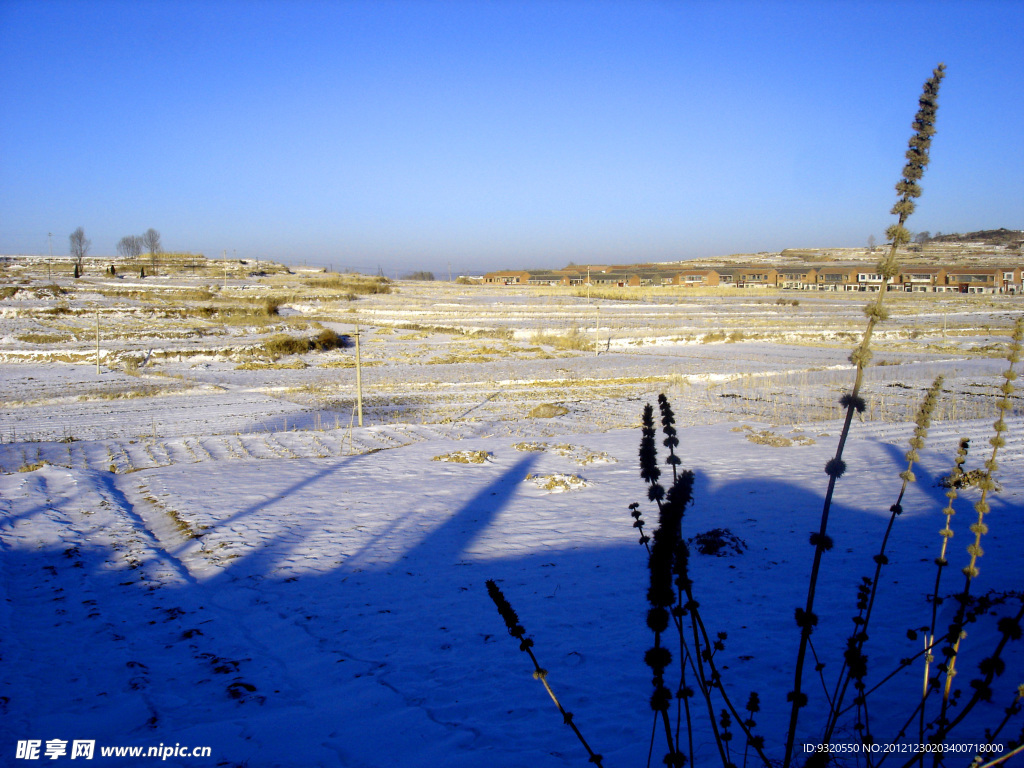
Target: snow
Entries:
(262, 577)
(348, 592)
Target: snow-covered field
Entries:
(206, 550)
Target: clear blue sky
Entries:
(495, 134)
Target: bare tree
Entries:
(871, 243)
(130, 246)
(151, 242)
(79, 246)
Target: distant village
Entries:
(811, 277)
(938, 267)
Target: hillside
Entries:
(1013, 238)
(989, 246)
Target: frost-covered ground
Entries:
(199, 554)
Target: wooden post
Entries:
(359, 380)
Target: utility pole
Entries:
(359, 380)
(49, 240)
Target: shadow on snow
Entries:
(407, 662)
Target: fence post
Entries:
(359, 380)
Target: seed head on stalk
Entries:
(898, 235)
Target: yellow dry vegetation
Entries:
(465, 457)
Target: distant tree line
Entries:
(129, 246)
(133, 246)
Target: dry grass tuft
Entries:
(577, 453)
(465, 457)
(281, 344)
(44, 338)
(558, 482)
(970, 479)
(574, 338)
(767, 437)
(351, 285)
(547, 411)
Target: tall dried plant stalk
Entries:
(888, 267)
(981, 507)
